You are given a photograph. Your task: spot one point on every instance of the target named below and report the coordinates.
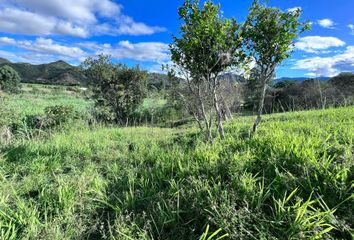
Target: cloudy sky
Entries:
(139, 31)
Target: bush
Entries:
(115, 86)
(103, 114)
(58, 115)
(53, 116)
(9, 79)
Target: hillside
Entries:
(58, 72)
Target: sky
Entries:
(139, 32)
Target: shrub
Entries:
(103, 114)
(9, 79)
(57, 115)
(116, 87)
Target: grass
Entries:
(293, 180)
(34, 98)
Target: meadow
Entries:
(294, 179)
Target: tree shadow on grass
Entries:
(18, 154)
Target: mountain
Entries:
(58, 72)
(3, 60)
(232, 78)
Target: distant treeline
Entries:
(309, 94)
(282, 96)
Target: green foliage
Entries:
(269, 35)
(9, 79)
(294, 180)
(115, 86)
(209, 43)
(58, 115)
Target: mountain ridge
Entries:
(58, 72)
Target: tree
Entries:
(9, 79)
(207, 46)
(269, 35)
(115, 86)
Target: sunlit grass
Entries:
(293, 180)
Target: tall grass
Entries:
(293, 180)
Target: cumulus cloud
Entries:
(45, 46)
(313, 44)
(326, 23)
(142, 51)
(328, 66)
(47, 49)
(75, 10)
(78, 18)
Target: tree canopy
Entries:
(9, 79)
(208, 45)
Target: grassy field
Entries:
(293, 180)
(35, 97)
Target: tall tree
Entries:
(207, 46)
(9, 79)
(115, 86)
(269, 35)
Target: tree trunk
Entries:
(226, 110)
(196, 117)
(208, 124)
(219, 117)
(260, 107)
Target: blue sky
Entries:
(138, 32)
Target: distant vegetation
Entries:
(52, 73)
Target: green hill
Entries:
(58, 72)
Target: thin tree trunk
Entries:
(196, 117)
(219, 117)
(260, 107)
(208, 124)
(228, 114)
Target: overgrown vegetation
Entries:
(91, 163)
(293, 180)
(118, 90)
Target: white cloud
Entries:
(43, 49)
(328, 66)
(294, 9)
(45, 46)
(326, 23)
(79, 18)
(7, 41)
(143, 51)
(75, 10)
(351, 27)
(313, 44)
